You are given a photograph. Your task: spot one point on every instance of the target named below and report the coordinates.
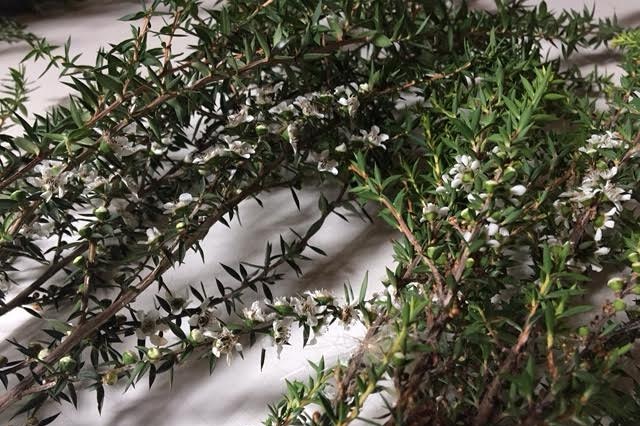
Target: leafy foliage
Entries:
(506, 183)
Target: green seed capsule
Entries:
(154, 354)
(616, 284)
(67, 363)
(110, 378)
(101, 213)
(619, 305)
(19, 195)
(129, 357)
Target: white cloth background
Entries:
(235, 395)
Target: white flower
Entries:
(39, 230)
(153, 235)
(240, 117)
(243, 149)
(462, 172)
(307, 107)
(254, 313)
(205, 319)
(283, 108)
(123, 147)
(325, 164)
(52, 179)
(518, 190)
(602, 251)
(183, 201)
(616, 194)
(177, 300)
(606, 222)
(5, 283)
(224, 343)
(293, 130)
(374, 137)
(208, 155)
(280, 334)
(151, 325)
(307, 309)
(352, 103)
(341, 148)
(609, 140)
(430, 211)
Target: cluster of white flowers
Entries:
(462, 174)
(183, 201)
(598, 142)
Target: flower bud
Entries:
(66, 363)
(261, 129)
(105, 147)
(110, 378)
(101, 213)
(469, 262)
(490, 185)
(633, 257)
(466, 214)
(78, 261)
(85, 231)
(635, 266)
(196, 336)
(180, 226)
(583, 331)
(509, 174)
(616, 284)
(43, 353)
(619, 305)
(129, 357)
(154, 354)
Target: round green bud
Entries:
(616, 284)
(619, 305)
(43, 353)
(469, 262)
(261, 130)
(85, 231)
(78, 261)
(431, 251)
(105, 147)
(154, 354)
(101, 213)
(633, 257)
(635, 266)
(66, 363)
(431, 216)
(129, 357)
(490, 185)
(110, 378)
(19, 195)
(583, 331)
(466, 214)
(509, 173)
(180, 226)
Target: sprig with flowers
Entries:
(508, 188)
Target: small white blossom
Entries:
(462, 172)
(430, 211)
(243, 149)
(254, 313)
(183, 201)
(608, 140)
(52, 179)
(151, 325)
(325, 164)
(177, 300)
(307, 107)
(518, 190)
(307, 309)
(153, 235)
(205, 319)
(280, 334)
(374, 137)
(224, 343)
(240, 117)
(352, 103)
